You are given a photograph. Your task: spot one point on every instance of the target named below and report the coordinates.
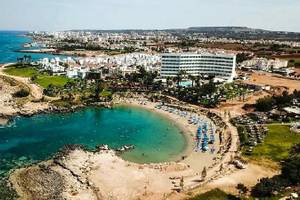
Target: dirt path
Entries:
(35, 91)
(249, 177)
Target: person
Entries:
(220, 137)
(181, 183)
(212, 150)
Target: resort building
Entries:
(220, 66)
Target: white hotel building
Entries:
(218, 65)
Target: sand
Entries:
(104, 175)
(264, 78)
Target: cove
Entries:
(33, 139)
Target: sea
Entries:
(32, 139)
(10, 41)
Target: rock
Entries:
(294, 195)
(23, 158)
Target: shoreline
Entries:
(190, 167)
(188, 140)
(4, 121)
(183, 130)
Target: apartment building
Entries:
(221, 66)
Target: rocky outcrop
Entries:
(53, 180)
(39, 183)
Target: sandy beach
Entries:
(192, 158)
(88, 175)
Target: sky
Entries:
(58, 15)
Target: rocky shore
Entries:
(32, 109)
(4, 120)
(75, 173)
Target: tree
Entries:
(291, 166)
(198, 79)
(267, 186)
(34, 77)
(264, 104)
(242, 189)
(241, 57)
(192, 78)
(290, 176)
(21, 93)
(179, 76)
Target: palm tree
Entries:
(180, 74)
(29, 59)
(192, 78)
(198, 79)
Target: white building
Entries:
(264, 64)
(77, 72)
(221, 66)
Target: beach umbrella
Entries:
(204, 145)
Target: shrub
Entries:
(264, 104)
(291, 166)
(290, 176)
(243, 135)
(267, 186)
(21, 93)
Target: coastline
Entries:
(4, 121)
(130, 172)
(183, 127)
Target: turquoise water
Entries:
(13, 40)
(36, 138)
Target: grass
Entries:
(46, 80)
(23, 72)
(295, 63)
(105, 93)
(42, 79)
(215, 194)
(277, 144)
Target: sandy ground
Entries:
(235, 107)
(35, 91)
(297, 70)
(110, 177)
(228, 181)
(10, 106)
(104, 175)
(7, 102)
(263, 78)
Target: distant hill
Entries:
(226, 29)
(235, 32)
(239, 32)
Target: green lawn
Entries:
(215, 194)
(105, 93)
(23, 72)
(43, 80)
(296, 61)
(277, 143)
(46, 80)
